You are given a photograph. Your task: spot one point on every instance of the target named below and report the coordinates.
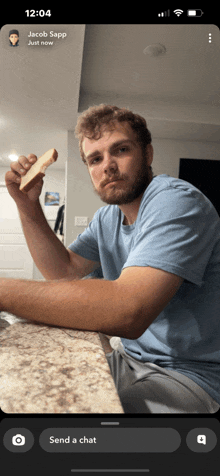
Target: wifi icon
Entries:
(178, 12)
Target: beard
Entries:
(126, 191)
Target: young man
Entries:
(157, 246)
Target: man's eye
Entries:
(95, 160)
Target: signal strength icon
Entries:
(164, 14)
(178, 12)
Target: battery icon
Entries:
(194, 13)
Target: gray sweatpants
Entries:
(148, 388)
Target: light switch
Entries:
(81, 221)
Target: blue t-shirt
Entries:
(177, 230)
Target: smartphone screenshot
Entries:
(109, 243)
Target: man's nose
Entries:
(109, 163)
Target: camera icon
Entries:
(18, 440)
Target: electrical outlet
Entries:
(81, 221)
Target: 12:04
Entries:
(36, 13)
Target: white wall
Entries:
(168, 152)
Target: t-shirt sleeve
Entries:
(86, 244)
(176, 234)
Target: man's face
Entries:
(13, 38)
(118, 168)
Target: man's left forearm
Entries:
(85, 304)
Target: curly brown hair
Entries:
(95, 119)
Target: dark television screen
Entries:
(204, 175)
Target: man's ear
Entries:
(150, 154)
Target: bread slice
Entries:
(37, 171)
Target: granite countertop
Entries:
(47, 369)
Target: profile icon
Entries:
(14, 38)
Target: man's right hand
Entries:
(13, 180)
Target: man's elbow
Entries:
(137, 322)
(132, 330)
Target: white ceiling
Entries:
(44, 88)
